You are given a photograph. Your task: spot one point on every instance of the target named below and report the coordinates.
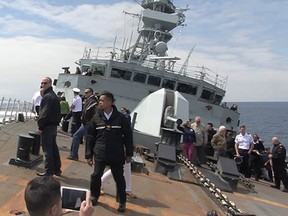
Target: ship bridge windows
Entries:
(154, 80)
(186, 88)
(168, 84)
(207, 94)
(85, 67)
(121, 74)
(217, 99)
(139, 77)
(98, 70)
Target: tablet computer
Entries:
(73, 197)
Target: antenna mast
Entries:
(186, 62)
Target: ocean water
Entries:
(267, 119)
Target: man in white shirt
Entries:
(36, 101)
(76, 108)
(243, 148)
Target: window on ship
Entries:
(186, 88)
(85, 68)
(121, 74)
(98, 70)
(207, 95)
(217, 99)
(153, 80)
(168, 84)
(139, 77)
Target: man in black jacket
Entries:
(110, 141)
(49, 119)
(278, 163)
(89, 110)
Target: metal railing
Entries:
(13, 110)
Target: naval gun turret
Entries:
(155, 127)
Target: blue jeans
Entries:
(76, 140)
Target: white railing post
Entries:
(12, 111)
(18, 111)
(25, 110)
(6, 110)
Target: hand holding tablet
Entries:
(73, 197)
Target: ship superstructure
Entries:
(145, 67)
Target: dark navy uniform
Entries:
(109, 141)
(279, 164)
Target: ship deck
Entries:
(156, 194)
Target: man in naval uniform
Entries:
(76, 108)
(109, 142)
(278, 163)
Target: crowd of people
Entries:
(248, 151)
(108, 142)
(108, 139)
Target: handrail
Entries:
(10, 109)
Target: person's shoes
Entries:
(275, 186)
(121, 207)
(94, 201)
(131, 195)
(102, 193)
(44, 174)
(58, 173)
(72, 158)
(285, 190)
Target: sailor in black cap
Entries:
(278, 163)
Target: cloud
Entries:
(12, 26)
(29, 59)
(244, 40)
(86, 19)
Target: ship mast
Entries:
(159, 18)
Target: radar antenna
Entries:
(186, 62)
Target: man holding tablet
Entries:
(43, 197)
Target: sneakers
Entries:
(131, 195)
(102, 193)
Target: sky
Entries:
(245, 40)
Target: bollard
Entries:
(36, 143)
(25, 143)
(20, 117)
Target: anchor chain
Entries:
(245, 181)
(231, 209)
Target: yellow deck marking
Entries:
(111, 202)
(262, 200)
(3, 177)
(171, 213)
(65, 163)
(17, 201)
